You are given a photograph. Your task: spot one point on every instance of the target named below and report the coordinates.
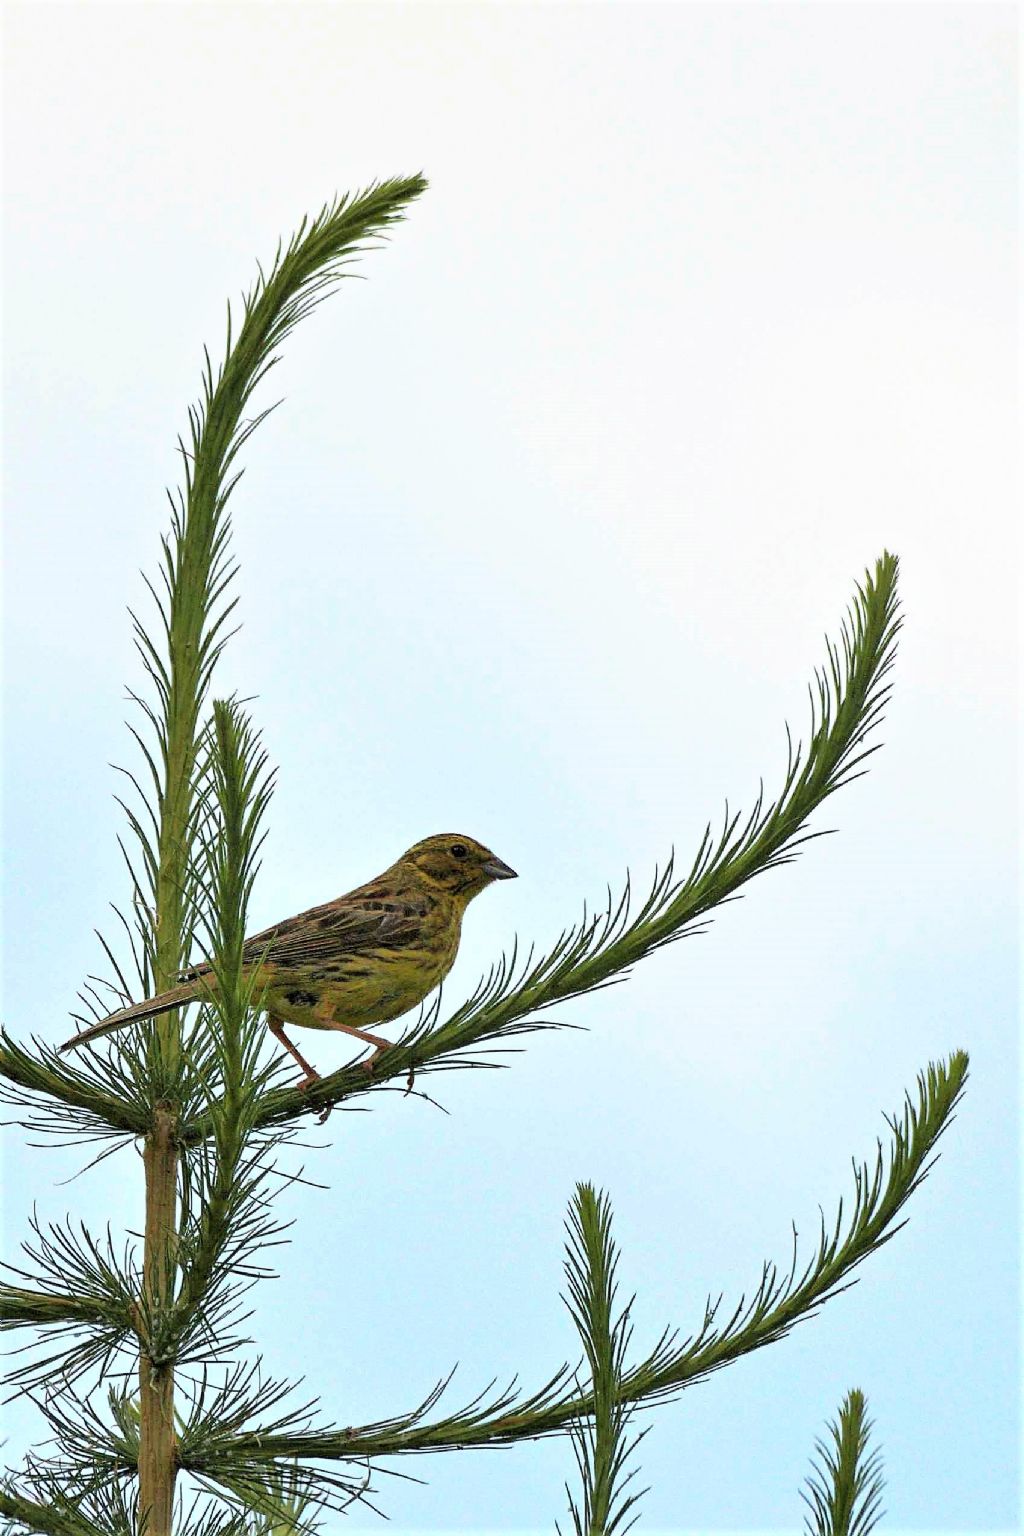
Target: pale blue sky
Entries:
(704, 308)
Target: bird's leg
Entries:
(323, 1012)
(374, 1040)
(276, 1028)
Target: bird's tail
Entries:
(163, 1003)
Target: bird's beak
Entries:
(497, 869)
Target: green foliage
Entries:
(600, 1437)
(844, 1490)
(256, 1459)
(83, 1296)
(56, 1513)
(200, 799)
(778, 1301)
(109, 1096)
(225, 1206)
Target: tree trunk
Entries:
(157, 1443)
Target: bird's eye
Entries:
(458, 850)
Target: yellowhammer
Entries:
(362, 959)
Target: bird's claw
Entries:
(305, 1084)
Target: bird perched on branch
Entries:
(360, 960)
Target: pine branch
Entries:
(54, 1097)
(209, 1450)
(82, 1291)
(220, 1232)
(86, 1478)
(226, 1213)
(109, 1097)
(21, 1308)
(844, 1489)
(846, 705)
(49, 1517)
(280, 1505)
(599, 1440)
(83, 1487)
(779, 1301)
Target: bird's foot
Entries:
(304, 1084)
(368, 1064)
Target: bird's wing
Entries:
(336, 929)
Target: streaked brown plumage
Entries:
(360, 960)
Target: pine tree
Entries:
(195, 1438)
(844, 1490)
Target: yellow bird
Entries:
(359, 960)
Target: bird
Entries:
(362, 959)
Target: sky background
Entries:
(703, 309)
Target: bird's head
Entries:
(457, 865)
